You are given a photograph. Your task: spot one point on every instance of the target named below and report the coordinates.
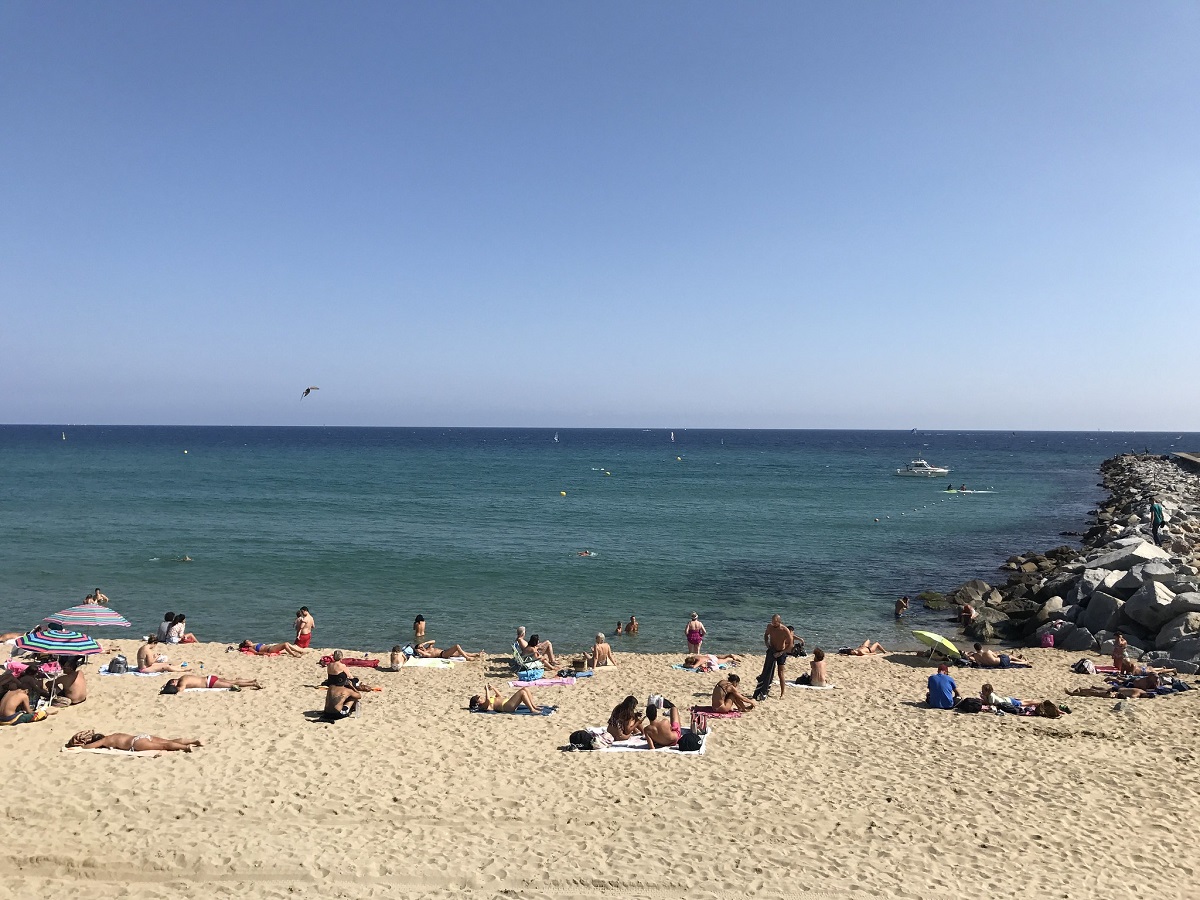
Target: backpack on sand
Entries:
(118, 665)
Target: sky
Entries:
(546, 214)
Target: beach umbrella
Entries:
(53, 642)
(937, 643)
(88, 615)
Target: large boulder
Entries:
(1080, 640)
(988, 624)
(972, 592)
(1127, 557)
(1157, 571)
(1051, 609)
(1102, 613)
(1185, 603)
(1188, 648)
(1018, 609)
(1185, 626)
(1088, 582)
(1056, 586)
(1150, 606)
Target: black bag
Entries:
(118, 665)
(690, 742)
(582, 740)
(970, 705)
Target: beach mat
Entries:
(639, 745)
(697, 670)
(111, 752)
(546, 711)
(419, 663)
(104, 671)
(543, 682)
(809, 687)
(351, 662)
(708, 711)
(195, 690)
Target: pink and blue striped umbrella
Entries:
(88, 615)
(53, 642)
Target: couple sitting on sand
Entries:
(626, 721)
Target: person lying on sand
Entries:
(660, 732)
(341, 700)
(427, 650)
(185, 682)
(710, 662)
(866, 648)
(601, 653)
(727, 696)
(149, 660)
(1045, 708)
(261, 649)
(70, 685)
(1109, 692)
(1131, 667)
(90, 740)
(492, 700)
(990, 659)
(625, 720)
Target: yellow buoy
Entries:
(679, 458)
(562, 493)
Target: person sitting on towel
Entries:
(626, 719)
(816, 676)
(341, 700)
(493, 701)
(659, 732)
(71, 685)
(727, 696)
(601, 653)
(186, 682)
(148, 659)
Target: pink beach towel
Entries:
(708, 711)
(543, 682)
(252, 653)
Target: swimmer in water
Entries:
(586, 553)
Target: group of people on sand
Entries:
(943, 693)
(660, 726)
(173, 630)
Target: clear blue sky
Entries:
(687, 214)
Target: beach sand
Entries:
(850, 792)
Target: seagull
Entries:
(309, 390)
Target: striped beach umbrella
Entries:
(53, 642)
(88, 615)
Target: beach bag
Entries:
(1048, 640)
(531, 674)
(970, 705)
(699, 722)
(582, 740)
(118, 665)
(690, 742)
(1084, 667)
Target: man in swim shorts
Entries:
(660, 732)
(779, 642)
(148, 659)
(305, 623)
(186, 682)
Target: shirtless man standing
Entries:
(726, 696)
(305, 624)
(659, 732)
(779, 641)
(147, 660)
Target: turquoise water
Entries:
(369, 527)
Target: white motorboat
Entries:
(918, 468)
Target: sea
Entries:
(481, 530)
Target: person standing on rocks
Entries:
(1157, 518)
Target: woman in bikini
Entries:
(426, 650)
(90, 740)
(726, 696)
(493, 701)
(261, 649)
(626, 719)
(710, 662)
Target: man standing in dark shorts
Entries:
(779, 641)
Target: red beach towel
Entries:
(708, 711)
(350, 662)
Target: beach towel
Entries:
(1106, 670)
(192, 690)
(708, 711)
(350, 662)
(812, 687)
(544, 682)
(546, 711)
(419, 663)
(104, 671)
(700, 670)
(639, 745)
(112, 752)
(252, 653)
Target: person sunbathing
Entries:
(536, 647)
(816, 675)
(493, 701)
(601, 653)
(90, 740)
(727, 696)
(1132, 667)
(626, 719)
(990, 659)
(866, 648)
(70, 685)
(341, 700)
(261, 649)
(1045, 708)
(149, 660)
(15, 708)
(710, 662)
(189, 682)
(1109, 691)
(660, 732)
(428, 651)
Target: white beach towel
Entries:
(222, 690)
(104, 671)
(639, 744)
(812, 687)
(422, 663)
(112, 752)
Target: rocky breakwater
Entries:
(1119, 580)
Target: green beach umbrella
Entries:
(937, 644)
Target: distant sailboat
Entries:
(556, 437)
(672, 437)
(64, 434)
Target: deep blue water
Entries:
(370, 526)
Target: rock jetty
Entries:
(1119, 579)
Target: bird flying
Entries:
(309, 390)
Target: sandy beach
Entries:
(852, 791)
